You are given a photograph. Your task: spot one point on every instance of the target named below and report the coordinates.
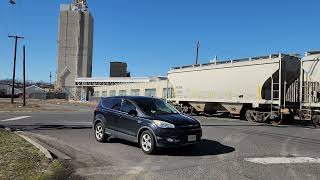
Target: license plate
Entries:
(192, 138)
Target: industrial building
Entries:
(75, 43)
(5, 91)
(119, 69)
(121, 86)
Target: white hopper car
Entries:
(254, 88)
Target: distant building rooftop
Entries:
(100, 81)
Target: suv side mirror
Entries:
(133, 113)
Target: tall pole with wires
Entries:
(24, 75)
(197, 52)
(50, 81)
(14, 65)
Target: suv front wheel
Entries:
(147, 142)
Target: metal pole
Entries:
(14, 70)
(167, 89)
(50, 82)
(280, 85)
(14, 66)
(24, 76)
(197, 53)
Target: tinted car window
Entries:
(106, 102)
(127, 106)
(116, 104)
(112, 103)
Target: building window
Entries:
(104, 93)
(150, 92)
(167, 93)
(122, 93)
(96, 94)
(113, 93)
(135, 92)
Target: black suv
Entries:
(148, 121)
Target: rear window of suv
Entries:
(111, 103)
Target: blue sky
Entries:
(154, 35)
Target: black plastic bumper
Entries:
(176, 137)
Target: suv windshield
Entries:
(155, 106)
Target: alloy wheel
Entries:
(99, 131)
(146, 142)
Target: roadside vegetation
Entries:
(35, 105)
(21, 160)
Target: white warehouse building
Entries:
(128, 86)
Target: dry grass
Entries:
(21, 160)
(18, 106)
(33, 105)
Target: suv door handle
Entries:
(139, 121)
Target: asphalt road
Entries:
(227, 145)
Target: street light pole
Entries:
(14, 65)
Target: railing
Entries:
(272, 56)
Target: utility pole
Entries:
(14, 65)
(197, 52)
(50, 82)
(24, 75)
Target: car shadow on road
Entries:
(205, 148)
(122, 141)
(226, 125)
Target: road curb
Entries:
(37, 145)
(43, 140)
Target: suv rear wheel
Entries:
(99, 130)
(315, 120)
(147, 142)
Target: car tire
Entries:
(315, 120)
(99, 132)
(147, 142)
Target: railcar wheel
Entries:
(315, 120)
(277, 122)
(249, 116)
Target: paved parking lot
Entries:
(231, 149)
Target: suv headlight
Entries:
(163, 124)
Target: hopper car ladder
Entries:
(276, 92)
(275, 96)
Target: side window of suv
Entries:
(127, 106)
(116, 104)
(112, 103)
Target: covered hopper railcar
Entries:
(254, 88)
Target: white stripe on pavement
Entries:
(16, 118)
(283, 160)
